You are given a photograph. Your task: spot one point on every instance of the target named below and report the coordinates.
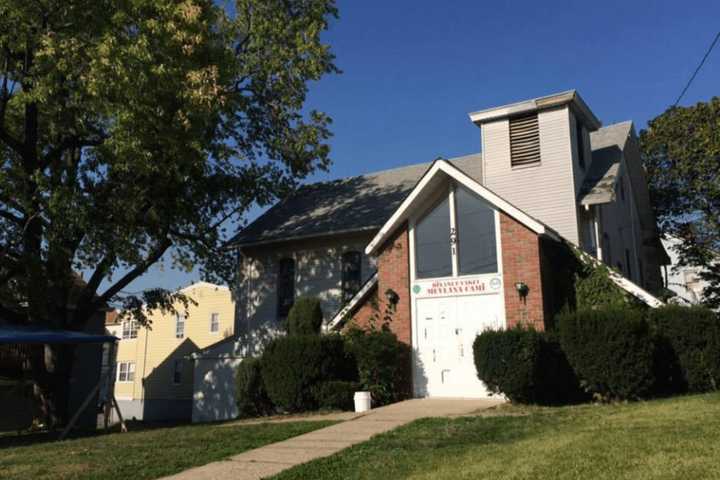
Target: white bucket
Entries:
(363, 401)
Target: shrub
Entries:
(252, 399)
(383, 364)
(691, 337)
(305, 317)
(292, 365)
(335, 394)
(611, 351)
(525, 365)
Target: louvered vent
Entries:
(524, 140)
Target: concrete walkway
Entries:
(271, 459)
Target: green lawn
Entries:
(140, 455)
(664, 439)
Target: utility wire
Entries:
(702, 62)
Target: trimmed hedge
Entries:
(525, 365)
(690, 338)
(305, 317)
(611, 351)
(383, 363)
(291, 366)
(335, 394)
(251, 397)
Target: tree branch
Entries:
(139, 269)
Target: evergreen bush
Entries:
(525, 365)
(335, 394)
(251, 397)
(691, 336)
(383, 364)
(611, 350)
(305, 317)
(292, 365)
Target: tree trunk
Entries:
(53, 373)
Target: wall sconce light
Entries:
(522, 289)
(392, 297)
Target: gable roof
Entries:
(443, 169)
(608, 144)
(354, 204)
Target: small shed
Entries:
(17, 342)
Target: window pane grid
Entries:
(179, 326)
(456, 238)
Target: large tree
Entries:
(130, 129)
(681, 152)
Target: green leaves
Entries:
(128, 128)
(681, 153)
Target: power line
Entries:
(702, 62)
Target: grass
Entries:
(662, 439)
(143, 454)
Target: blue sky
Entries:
(413, 69)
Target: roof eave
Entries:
(536, 104)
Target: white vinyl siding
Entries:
(546, 192)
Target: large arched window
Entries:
(463, 244)
(475, 224)
(351, 274)
(432, 243)
(285, 286)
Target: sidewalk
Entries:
(271, 459)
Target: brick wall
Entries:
(393, 273)
(521, 263)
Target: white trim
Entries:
(453, 232)
(622, 282)
(534, 104)
(443, 166)
(349, 306)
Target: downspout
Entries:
(596, 226)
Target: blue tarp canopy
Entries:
(14, 334)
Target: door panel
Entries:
(447, 328)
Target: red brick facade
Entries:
(521, 260)
(393, 274)
(521, 263)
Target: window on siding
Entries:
(627, 262)
(214, 322)
(351, 274)
(129, 329)
(177, 372)
(580, 143)
(126, 372)
(180, 326)
(285, 286)
(475, 222)
(432, 243)
(524, 140)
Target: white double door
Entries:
(446, 330)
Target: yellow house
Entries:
(154, 371)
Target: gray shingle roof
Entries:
(608, 144)
(353, 204)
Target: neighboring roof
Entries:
(14, 334)
(442, 169)
(608, 144)
(353, 204)
(540, 103)
(211, 286)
